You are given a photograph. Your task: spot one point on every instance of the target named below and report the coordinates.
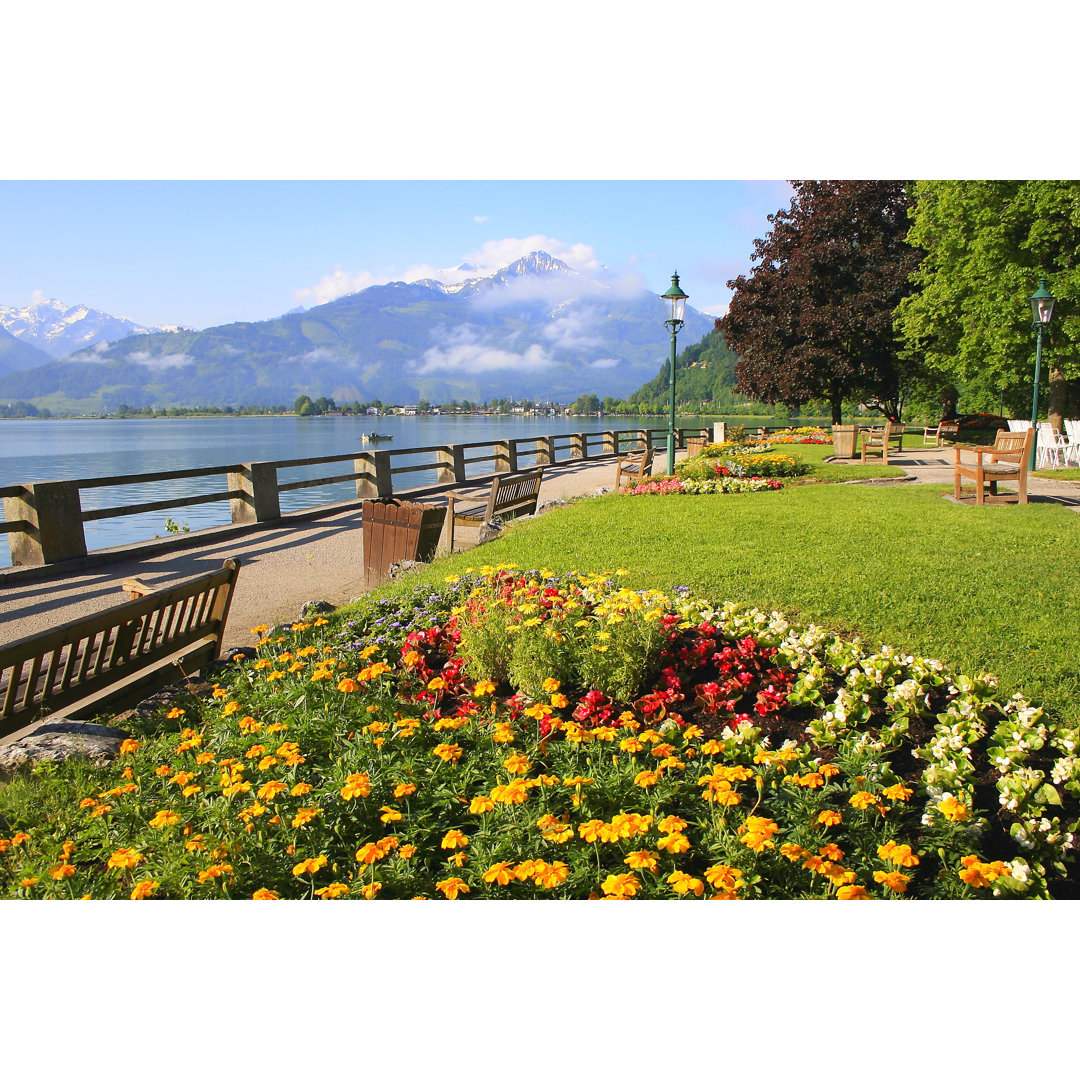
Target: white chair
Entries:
(1019, 425)
(1050, 451)
(1072, 447)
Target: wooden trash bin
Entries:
(395, 530)
(844, 439)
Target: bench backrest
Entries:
(1014, 446)
(49, 671)
(513, 495)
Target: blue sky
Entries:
(200, 253)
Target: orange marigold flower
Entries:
(333, 891)
(549, 686)
(484, 688)
(370, 853)
(862, 800)
(63, 870)
(174, 714)
(481, 804)
(357, 785)
(792, 852)
(683, 883)
(590, 831)
(309, 866)
(675, 843)
(305, 815)
(86, 803)
(517, 763)
(129, 746)
(124, 859)
(265, 894)
(500, 873)
(552, 875)
(389, 814)
(452, 888)
(163, 818)
(371, 890)
(642, 860)
(450, 752)
(892, 880)
(725, 879)
(670, 824)
(454, 838)
(831, 851)
(646, 778)
(828, 770)
(301, 788)
(559, 701)
(901, 854)
(144, 890)
(897, 793)
(403, 791)
(621, 885)
(829, 817)
(271, 789)
(215, 871)
(757, 832)
(852, 892)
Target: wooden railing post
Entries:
(546, 451)
(579, 448)
(384, 478)
(258, 499)
(451, 464)
(364, 467)
(506, 455)
(53, 526)
(610, 442)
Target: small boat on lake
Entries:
(374, 437)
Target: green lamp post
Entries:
(677, 298)
(1042, 307)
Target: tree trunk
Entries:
(1058, 406)
(836, 399)
(949, 397)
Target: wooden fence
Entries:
(44, 520)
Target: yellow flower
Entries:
(452, 888)
(309, 866)
(897, 793)
(163, 818)
(549, 686)
(725, 879)
(954, 809)
(757, 832)
(500, 873)
(129, 746)
(862, 800)
(144, 889)
(371, 890)
(174, 714)
(901, 854)
(590, 831)
(829, 817)
(389, 814)
(551, 875)
(300, 788)
(407, 851)
(450, 752)
(265, 894)
(646, 778)
(454, 838)
(305, 816)
(481, 804)
(671, 824)
(621, 885)
(62, 871)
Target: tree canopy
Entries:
(814, 318)
(986, 244)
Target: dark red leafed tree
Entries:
(813, 319)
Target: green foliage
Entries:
(704, 378)
(986, 244)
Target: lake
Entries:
(36, 450)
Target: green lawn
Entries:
(988, 588)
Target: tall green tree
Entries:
(986, 243)
(813, 319)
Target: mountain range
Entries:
(536, 328)
(58, 330)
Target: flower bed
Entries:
(718, 485)
(813, 436)
(525, 735)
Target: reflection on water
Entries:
(38, 450)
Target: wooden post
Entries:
(506, 455)
(384, 478)
(610, 442)
(546, 454)
(53, 526)
(451, 465)
(364, 467)
(578, 446)
(258, 499)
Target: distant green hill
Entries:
(16, 355)
(704, 377)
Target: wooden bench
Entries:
(637, 466)
(947, 429)
(512, 495)
(116, 658)
(1007, 459)
(878, 440)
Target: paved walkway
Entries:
(282, 567)
(287, 565)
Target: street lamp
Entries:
(678, 306)
(1042, 307)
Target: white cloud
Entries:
(481, 218)
(462, 350)
(495, 254)
(338, 282)
(717, 311)
(575, 328)
(163, 362)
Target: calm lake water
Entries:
(36, 450)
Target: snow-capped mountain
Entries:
(59, 330)
(536, 328)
